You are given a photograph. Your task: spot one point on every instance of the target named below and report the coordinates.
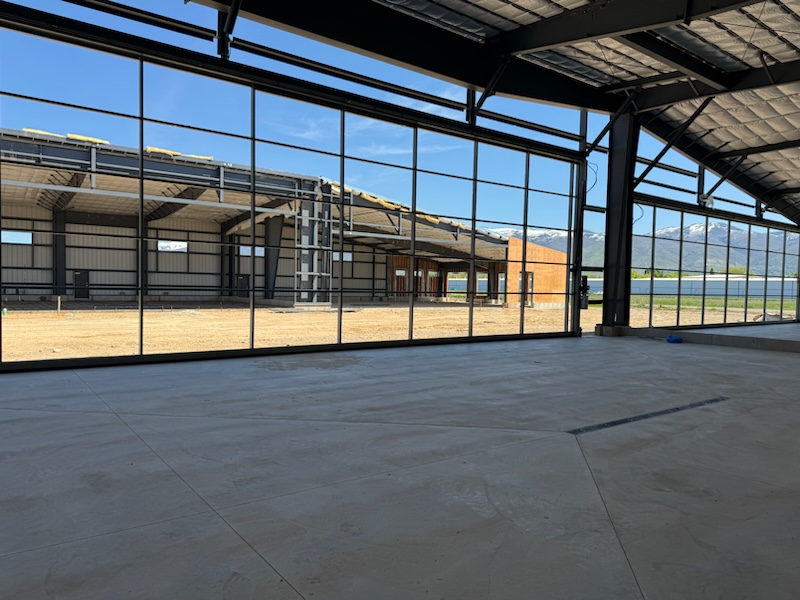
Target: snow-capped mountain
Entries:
(701, 246)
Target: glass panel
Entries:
(443, 196)
(378, 140)
(642, 219)
(271, 157)
(501, 204)
(185, 146)
(197, 300)
(444, 154)
(500, 165)
(71, 126)
(70, 206)
(665, 288)
(184, 98)
(549, 215)
(297, 123)
(91, 312)
(548, 175)
(594, 239)
(447, 315)
(380, 181)
(642, 259)
(375, 304)
(56, 71)
(544, 287)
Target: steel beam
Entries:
(61, 200)
(728, 172)
(674, 137)
(622, 109)
(619, 221)
(609, 18)
(742, 81)
(643, 82)
(168, 208)
(784, 192)
(148, 18)
(435, 51)
(672, 56)
(787, 145)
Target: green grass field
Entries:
(715, 303)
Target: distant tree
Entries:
(711, 271)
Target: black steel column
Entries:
(144, 257)
(59, 253)
(619, 221)
(274, 232)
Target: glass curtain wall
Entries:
(140, 217)
(694, 269)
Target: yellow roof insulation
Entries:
(393, 205)
(40, 132)
(85, 138)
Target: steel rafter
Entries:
(787, 145)
(610, 18)
(167, 208)
(672, 56)
(749, 79)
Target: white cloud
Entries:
(382, 150)
(305, 128)
(437, 148)
(450, 92)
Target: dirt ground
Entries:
(44, 334)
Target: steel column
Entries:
(619, 220)
(59, 253)
(274, 233)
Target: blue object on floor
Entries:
(675, 339)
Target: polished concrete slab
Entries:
(440, 472)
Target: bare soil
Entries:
(44, 334)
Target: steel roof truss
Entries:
(609, 18)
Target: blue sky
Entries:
(73, 75)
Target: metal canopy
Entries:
(594, 54)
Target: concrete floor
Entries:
(437, 472)
(779, 337)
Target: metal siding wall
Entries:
(362, 268)
(194, 273)
(204, 263)
(25, 212)
(18, 255)
(27, 269)
(108, 253)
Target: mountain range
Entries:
(668, 253)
